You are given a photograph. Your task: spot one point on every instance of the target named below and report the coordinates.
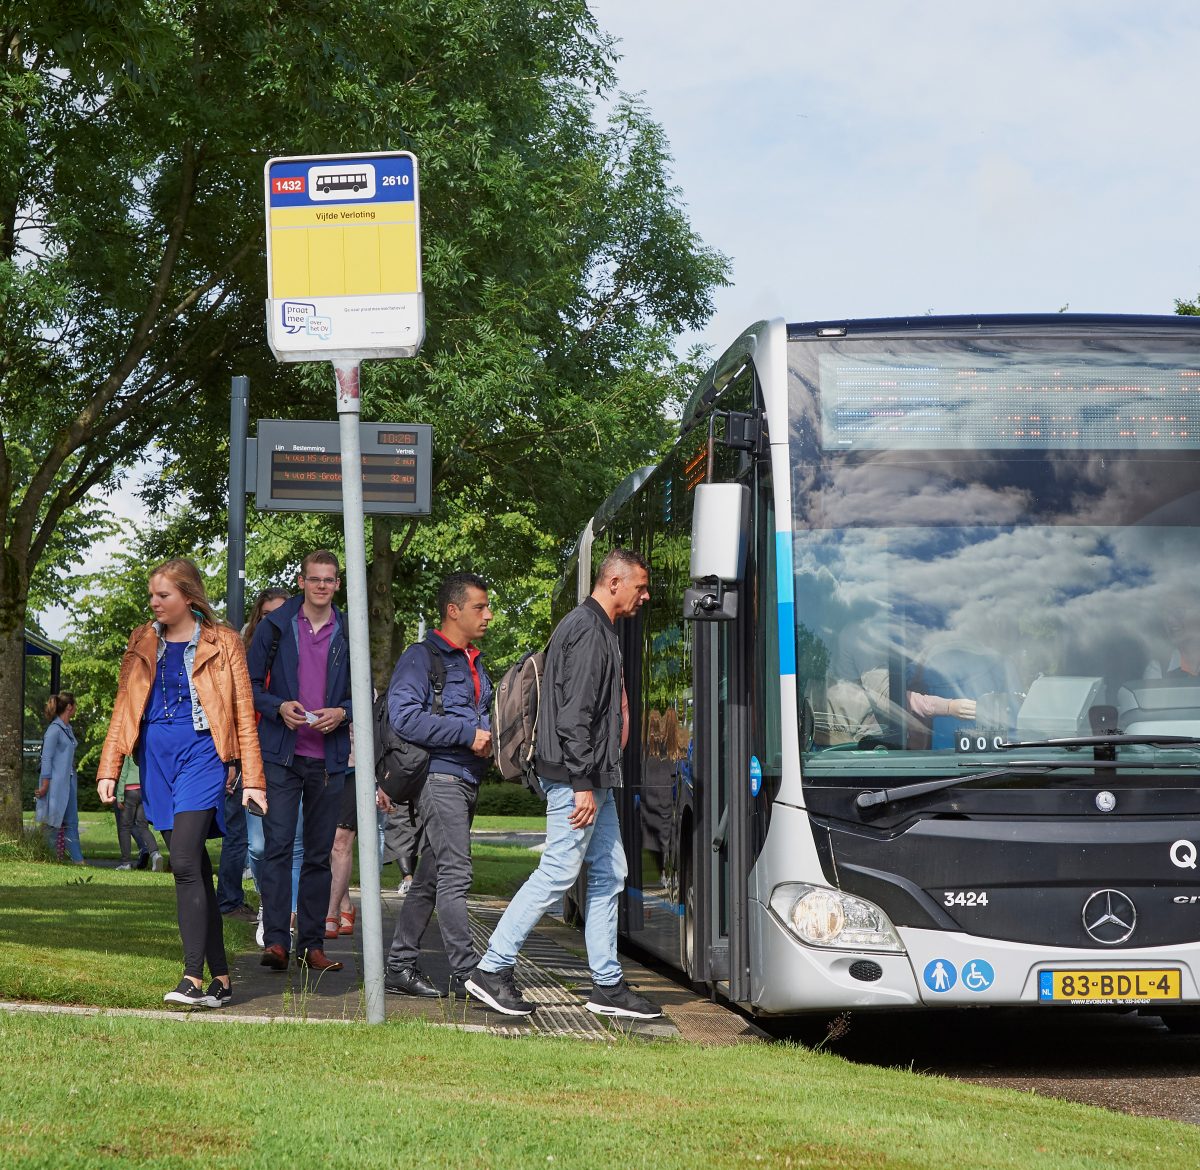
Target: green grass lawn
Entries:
(499, 869)
(118, 1091)
(111, 1091)
(94, 935)
(510, 824)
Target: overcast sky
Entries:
(885, 158)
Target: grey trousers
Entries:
(443, 878)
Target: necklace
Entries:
(183, 691)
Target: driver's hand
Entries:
(962, 708)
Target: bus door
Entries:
(722, 844)
(630, 916)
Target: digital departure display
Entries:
(948, 400)
(300, 467)
(311, 475)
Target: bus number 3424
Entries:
(965, 898)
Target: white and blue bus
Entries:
(915, 701)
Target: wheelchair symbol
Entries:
(978, 975)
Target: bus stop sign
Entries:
(343, 257)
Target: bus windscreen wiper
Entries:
(1115, 740)
(1015, 768)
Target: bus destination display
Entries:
(949, 400)
(300, 467)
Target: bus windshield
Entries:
(995, 539)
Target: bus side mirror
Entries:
(720, 524)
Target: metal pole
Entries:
(235, 572)
(348, 405)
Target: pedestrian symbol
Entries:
(940, 975)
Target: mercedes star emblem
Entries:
(1105, 801)
(1109, 917)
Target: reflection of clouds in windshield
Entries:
(1062, 600)
(1062, 488)
(909, 497)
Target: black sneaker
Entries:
(187, 995)
(410, 981)
(218, 995)
(619, 999)
(498, 989)
(458, 983)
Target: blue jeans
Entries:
(256, 844)
(230, 894)
(304, 784)
(567, 849)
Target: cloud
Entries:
(882, 159)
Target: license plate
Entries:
(1136, 985)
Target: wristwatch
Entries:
(345, 714)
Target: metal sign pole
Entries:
(235, 574)
(343, 285)
(348, 401)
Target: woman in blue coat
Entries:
(57, 808)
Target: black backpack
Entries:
(401, 767)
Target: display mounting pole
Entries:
(348, 405)
(235, 574)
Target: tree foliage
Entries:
(558, 264)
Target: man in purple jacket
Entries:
(459, 742)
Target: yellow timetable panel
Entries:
(364, 251)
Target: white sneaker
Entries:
(405, 885)
(259, 935)
(125, 865)
(156, 862)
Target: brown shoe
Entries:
(315, 959)
(274, 957)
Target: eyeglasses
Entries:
(321, 580)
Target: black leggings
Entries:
(195, 898)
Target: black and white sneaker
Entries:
(188, 995)
(619, 999)
(218, 995)
(498, 989)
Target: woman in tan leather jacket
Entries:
(185, 708)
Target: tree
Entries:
(132, 139)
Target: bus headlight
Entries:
(823, 917)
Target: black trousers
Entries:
(200, 925)
(131, 821)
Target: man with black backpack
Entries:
(438, 699)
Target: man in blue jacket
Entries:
(459, 741)
(299, 664)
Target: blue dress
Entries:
(181, 771)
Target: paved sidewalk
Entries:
(551, 971)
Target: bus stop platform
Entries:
(552, 973)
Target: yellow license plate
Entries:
(1131, 985)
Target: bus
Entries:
(915, 700)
